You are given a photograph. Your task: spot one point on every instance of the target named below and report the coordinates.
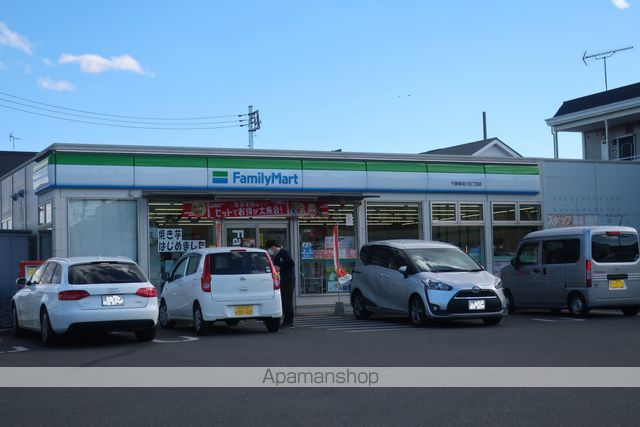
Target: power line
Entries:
(120, 120)
(120, 116)
(121, 126)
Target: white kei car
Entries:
(85, 294)
(228, 284)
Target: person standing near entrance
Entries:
(284, 265)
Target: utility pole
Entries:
(13, 140)
(603, 56)
(253, 124)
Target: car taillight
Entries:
(205, 280)
(588, 273)
(72, 295)
(147, 292)
(613, 233)
(274, 275)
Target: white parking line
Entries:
(16, 349)
(186, 339)
(343, 322)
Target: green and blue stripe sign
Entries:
(98, 170)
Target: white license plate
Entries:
(476, 304)
(112, 300)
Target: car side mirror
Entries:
(515, 263)
(404, 270)
(164, 276)
(21, 282)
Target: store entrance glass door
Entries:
(255, 235)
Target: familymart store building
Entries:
(153, 203)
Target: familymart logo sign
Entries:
(257, 178)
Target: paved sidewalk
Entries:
(322, 309)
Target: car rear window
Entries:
(614, 247)
(104, 273)
(240, 262)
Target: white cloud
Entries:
(14, 40)
(95, 64)
(59, 86)
(621, 4)
(2, 66)
(47, 62)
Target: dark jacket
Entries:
(286, 264)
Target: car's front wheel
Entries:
(417, 313)
(47, 334)
(272, 324)
(491, 321)
(163, 316)
(145, 335)
(16, 330)
(359, 306)
(199, 324)
(631, 310)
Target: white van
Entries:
(578, 268)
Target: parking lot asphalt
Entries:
(532, 338)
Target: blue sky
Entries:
(371, 76)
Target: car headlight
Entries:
(435, 285)
(498, 284)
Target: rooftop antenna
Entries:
(12, 139)
(603, 56)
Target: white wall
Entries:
(593, 140)
(592, 193)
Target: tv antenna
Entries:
(13, 139)
(603, 56)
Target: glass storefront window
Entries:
(505, 243)
(167, 227)
(443, 212)
(530, 212)
(393, 221)
(103, 227)
(468, 238)
(504, 212)
(471, 212)
(317, 272)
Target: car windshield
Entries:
(105, 272)
(442, 260)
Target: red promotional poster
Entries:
(343, 276)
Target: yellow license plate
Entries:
(616, 284)
(243, 310)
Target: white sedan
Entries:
(85, 294)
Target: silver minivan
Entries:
(578, 268)
(424, 280)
